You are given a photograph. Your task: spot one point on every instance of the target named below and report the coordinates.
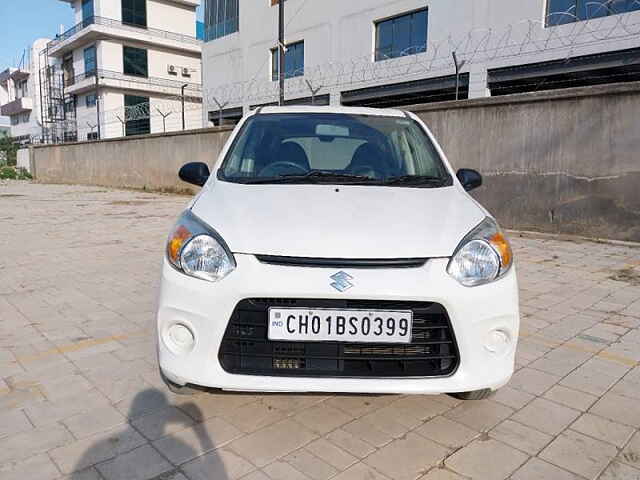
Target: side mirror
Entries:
(469, 178)
(196, 173)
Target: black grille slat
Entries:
(245, 348)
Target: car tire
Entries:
(178, 389)
(474, 395)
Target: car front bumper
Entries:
(205, 308)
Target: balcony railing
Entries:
(109, 22)
(149, 81)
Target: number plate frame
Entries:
(279, 332)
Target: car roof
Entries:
(383, 112)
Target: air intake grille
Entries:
(245, 348)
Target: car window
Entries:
(334, 155)
(324, 146)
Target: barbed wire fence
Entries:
(568, 37)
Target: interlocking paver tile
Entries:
(441, 474)
(407, 458)
(571, 398)
(618, 408)
(350, 443)
(217, 464)
(284, 471)
(331, 454)
(546, 416)
(536, 469)
(620, 471)
(162, 422)
(38, 467)
(631, 453)
(182, 446)
(84, 453)
(446, 432)
(23, 445)
(520, 436)
(94, 421)
(312, 466)
(533, 381)
(480, 415)
(78, 371)
(579, 454)
(361, 471)
(273, 442)
(12, 422)
(322, 418)
(474, 460)
(603, 429)
(139, 464)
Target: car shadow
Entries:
(125, 453)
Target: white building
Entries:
(125, 65)
(20, 95)
(391, 53)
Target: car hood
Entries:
(329, 221)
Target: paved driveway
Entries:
(79, 390)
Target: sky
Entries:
(22, 21)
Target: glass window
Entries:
(135, 61)
(221, 18)
(90, 62)
(333, 148)
(560, 12)
(87, 11)
(402, 35)
(134, 12)
(91, 100)
(92, 136)
(136, 114)
(293, 61)
(15, 119)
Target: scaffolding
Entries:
(58, 107)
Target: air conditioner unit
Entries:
(172, 69)
(185, 72)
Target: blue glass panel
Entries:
(419, 32)
(561, 12)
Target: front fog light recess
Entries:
(498, 341)
(180, 338)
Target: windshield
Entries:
(333, 148)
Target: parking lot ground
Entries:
(80, 395)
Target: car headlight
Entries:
(482, 256)
(197, 250)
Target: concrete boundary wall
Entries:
(149, 162)
(566, 161)
(562, 162)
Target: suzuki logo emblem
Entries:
(341, 281)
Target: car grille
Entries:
(245, 348)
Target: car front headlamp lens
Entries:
(482, 256)
(196, 250)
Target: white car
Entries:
(335, 250)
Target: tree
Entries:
(8, 151)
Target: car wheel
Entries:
(474, 395)
(178, 389)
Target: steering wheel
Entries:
(367, 170)
(276, 169)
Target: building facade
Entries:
(392, 53)
(127, 67)
(20, 99)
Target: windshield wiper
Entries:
(314, 175)
(417, 180)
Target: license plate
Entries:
(328, 325)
